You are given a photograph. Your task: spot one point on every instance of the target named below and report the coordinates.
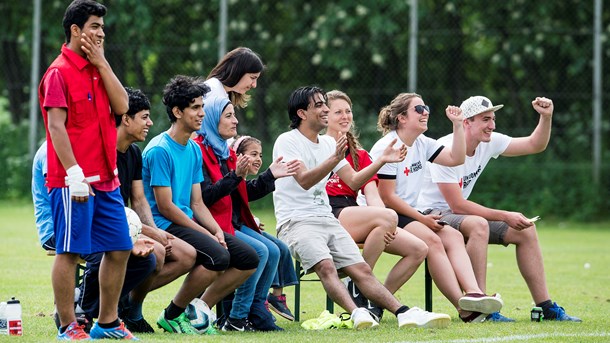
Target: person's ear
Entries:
(177, 112)
(301, 114)
(75, 31)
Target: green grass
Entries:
(25, 273)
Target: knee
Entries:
(274, 253)
(390, 219)
(420, 251)
(434, 242)
(479, 230)
(325, 269)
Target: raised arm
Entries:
(539, 139)
(457, 154)
(355, 180)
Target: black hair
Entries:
(181, 91)
(78, 12)
(138, 101)
(299, 100)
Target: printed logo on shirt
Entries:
(468, 178)
(415, 166)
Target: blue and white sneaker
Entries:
(498, 317)
(557, 313)
(119, 332)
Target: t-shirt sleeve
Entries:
(433, 148)
(54, 90)
(159, 162)
(442, 174)
(388, 170)
(500, 143)
(287, 147)
(216, 89)
(198, 166)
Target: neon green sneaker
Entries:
(181, 324)
(211, 331)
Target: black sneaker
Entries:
(232, 324)
(361, 301)
(355, 294)
(140, 325)
(278, 305)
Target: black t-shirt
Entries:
(129, 164)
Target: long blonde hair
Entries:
(388, 116)
(352, 135)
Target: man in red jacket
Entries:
(79, 95)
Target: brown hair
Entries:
(352, 135)
(388, 116)
(242, 143)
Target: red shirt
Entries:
(74, 84)
(336, 187)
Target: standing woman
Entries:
(235, 74)
(406, 118)
(226, 192)
(370, 224)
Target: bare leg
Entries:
(111, 277)
(333, 286)
(62, 277)
(413, 251)
(476, 230)
(369, 225)
(181, 260)
(529, 260)
(195, 282)
(453, 241)
(372, 289)
(225, 284)
(438, 263)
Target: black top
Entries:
(129, 164)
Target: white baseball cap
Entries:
(477, 105)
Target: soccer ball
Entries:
(135, 225)
(200, 315)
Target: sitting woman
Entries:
(226, 193)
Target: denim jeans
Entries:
(285, 275)
(256, 287)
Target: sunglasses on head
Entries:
(421, 108)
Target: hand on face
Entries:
(93, 49)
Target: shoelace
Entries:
(76, 333)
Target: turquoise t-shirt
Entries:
(166, 163)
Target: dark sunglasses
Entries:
(421, 108)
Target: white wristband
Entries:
(74, 174)
(79, 189)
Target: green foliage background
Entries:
(511, 51)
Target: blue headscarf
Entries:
(213, 108)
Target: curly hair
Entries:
(181, 91)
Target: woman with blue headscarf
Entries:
(226, 193)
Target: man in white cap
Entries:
(446, 190)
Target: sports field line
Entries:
(521, 337)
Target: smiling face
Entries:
(227, 125)
(340, 118)
(191, 116)
(316, 114)
(413, 120)
(93, 28)
(246, 82)
(481, 126)
(138, 126)
(255, 151)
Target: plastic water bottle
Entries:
(3, 323)
(13, 317)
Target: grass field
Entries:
(584, 292)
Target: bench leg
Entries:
(428, 286)
(297, 293)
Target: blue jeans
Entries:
(256, 287)
(285, 275)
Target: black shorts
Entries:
(404, 220)
(214, 256)
(338, 203)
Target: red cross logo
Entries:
(461, 182)
(407, 171)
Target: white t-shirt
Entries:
(410, 172)
(216, 89)
(290, 199)
(466, 175)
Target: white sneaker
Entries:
(362, 319)
(415, 317)
(480, 303)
